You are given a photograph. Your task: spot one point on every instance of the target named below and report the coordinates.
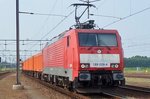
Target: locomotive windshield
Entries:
(93, 39)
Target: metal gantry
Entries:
(7, 48)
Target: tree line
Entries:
(137, 61)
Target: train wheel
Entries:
(123, 82)
(116, 83)
(71, 87)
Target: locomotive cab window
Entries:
(101, 39)
(107, 40)
(87, 39)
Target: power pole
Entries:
(18, 84)
(17, 41)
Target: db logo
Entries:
(99, 51)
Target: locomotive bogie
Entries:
(99, 79)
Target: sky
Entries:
(134, 30)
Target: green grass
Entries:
(137, 70)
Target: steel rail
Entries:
(73, 95)
(112, 93)
(136, 88)
(4, 74)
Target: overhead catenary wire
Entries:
(88, 1)
(32, 13)
(148, 8)
(55, 27)
(10, 42)
(60, 23)
(57, 24)
(116, 20)
(106, 16)
(46, 20)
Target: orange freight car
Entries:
(24, 65)
(38, 64)
(30, 64)
(34, 65)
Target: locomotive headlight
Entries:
(82, 66)
(114, 65)
(85, 65)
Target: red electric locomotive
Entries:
(83, 58)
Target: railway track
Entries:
(124, 92)
(136, 88)
(128, 91)
(121, 92)
(135, 91)
(72, 95)
(108, 93)
(113, 95)
(4, 74)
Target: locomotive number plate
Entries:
(99, 64)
